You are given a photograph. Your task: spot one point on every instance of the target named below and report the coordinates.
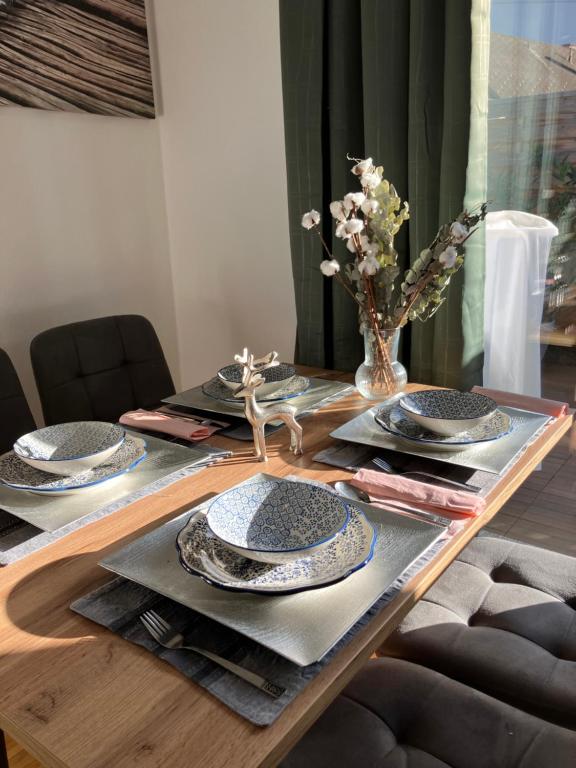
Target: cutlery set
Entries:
(385, 466)
(350, 492)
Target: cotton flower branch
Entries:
(429, 276)
(368, 221)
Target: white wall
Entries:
(225, 179)
(83, 227)
(83, 200)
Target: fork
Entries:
(170, 638)
(389, 469)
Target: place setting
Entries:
(70, 458)
(65, 476)
(465, 429)
(281, 569)
(281, 382)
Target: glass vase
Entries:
(381, 376)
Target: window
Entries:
(532, 159)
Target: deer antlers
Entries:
(251, 373)
(247, 360)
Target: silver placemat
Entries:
(51, 512)
(493, 456)
(300, 627)
(29, 522)
(320, 393)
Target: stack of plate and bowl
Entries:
(281, 382)
(445, 419)
(70, 458)
(276, 537)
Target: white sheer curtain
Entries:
(517, 252)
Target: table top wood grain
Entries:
(77, 696)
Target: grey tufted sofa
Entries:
(396, 714)
(480, 674)
(501, 619)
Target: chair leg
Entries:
(3, 752)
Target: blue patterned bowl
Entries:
(447, 411)
(69, 449)
(274, 378)
(277, 521)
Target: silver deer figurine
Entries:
(259, 416)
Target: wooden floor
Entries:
(17, 758)
(542, 512)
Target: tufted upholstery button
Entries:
(99, 369)
(15, 416)
(395, 714)
(500, 619)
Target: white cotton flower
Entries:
(448, 257)
(368, 266)
(370, 206)
(310, 219)
(329, 267)
(370, 180)
(459, 232)
(341, 230)
(338, 210)
(351, 245)
(365, 246)
(353, 227)
(362, 167)
(354, 198)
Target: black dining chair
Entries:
(15, 416)
(99, 369)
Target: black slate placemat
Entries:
(118, 604)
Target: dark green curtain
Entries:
(389, 79)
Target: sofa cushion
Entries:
(396, 714)
(502, 619)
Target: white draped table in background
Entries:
(517, 250)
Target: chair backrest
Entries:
(99, 369)
(15, 416)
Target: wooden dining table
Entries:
(75, 695)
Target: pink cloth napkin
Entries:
(169, 425)
(382, 488)
(526, 402)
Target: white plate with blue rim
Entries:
(203, 554)
(395, 421)
(22, 477)
(275, 377)
(293, 387)
(71, 448)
